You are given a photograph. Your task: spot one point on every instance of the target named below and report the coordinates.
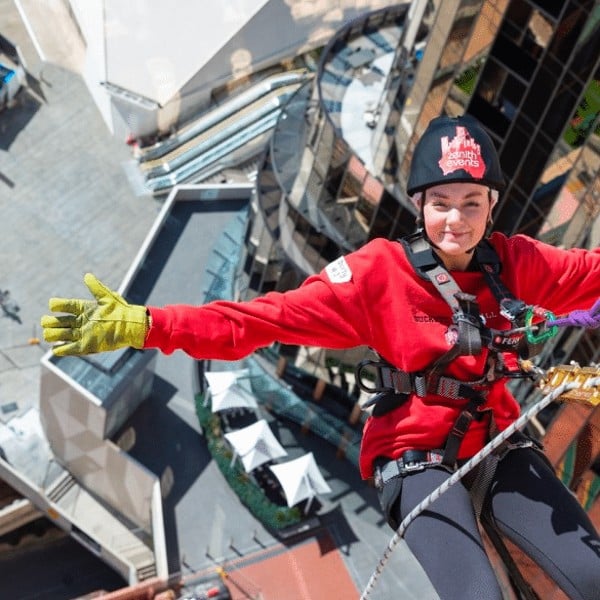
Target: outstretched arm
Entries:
(315, 314)
(312, 315)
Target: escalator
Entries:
(198, 149)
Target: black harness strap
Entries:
(423, 259)
(467, 324)
(470, 335)
(388, 378)
(490, 265)
(466, 318)
(467, 415)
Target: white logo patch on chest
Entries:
(338, 271)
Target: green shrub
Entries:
(271, 515)
(467, 79)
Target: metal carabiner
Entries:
(545, 332)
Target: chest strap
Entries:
(467, 329)
(387, 377)
(466, 321)
(423, 259)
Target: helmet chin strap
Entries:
(418, 200)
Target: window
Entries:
(508, 213)
(516, 58)
(568, 31)
(511, 95)
(491, 116)
(404, 224)
(586, 55)
(391, 219)
(515, 145)
(314, 186)
(561, 108)
(391, 163)
(355, 174)
(585, 118)
(541, 89)
(534, 162)
(552, 7)
(534, 218)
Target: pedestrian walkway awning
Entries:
(301, 479)
(230, 389)
(255, 445)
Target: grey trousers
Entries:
(527, 503)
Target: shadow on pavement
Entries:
(172, 450)
(15, 118)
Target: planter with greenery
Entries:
(271, 515)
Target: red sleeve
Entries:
(556, 279)
(318, 313)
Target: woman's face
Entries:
(455, 218)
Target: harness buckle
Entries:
(512, 309)
(415, 465)
(410, 462)
(420, 385)
(359, 373)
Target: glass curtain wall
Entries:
(528, 71)
(536, 95)
(316, 197)
(455, 34)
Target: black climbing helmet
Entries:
(454, 149)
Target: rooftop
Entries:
(72, 210)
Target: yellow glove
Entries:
(106, 323)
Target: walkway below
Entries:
(68, 207)
(313, 570)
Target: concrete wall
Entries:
(75, 424)
(166, 62)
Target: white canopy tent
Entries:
(255, 445)
(230, 389)
(301, 479)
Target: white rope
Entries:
(470, 464)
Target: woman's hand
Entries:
(106, 323)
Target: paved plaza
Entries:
(69, 205)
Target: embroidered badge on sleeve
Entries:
(338, 271)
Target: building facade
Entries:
(334, 174)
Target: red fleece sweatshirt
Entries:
(373, 297)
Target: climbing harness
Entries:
(410, 461)
(469, 335)
(563, 383)
(531, 327)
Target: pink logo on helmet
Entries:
(461, 152)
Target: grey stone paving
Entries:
(67, 207)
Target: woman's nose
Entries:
(454, 215)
